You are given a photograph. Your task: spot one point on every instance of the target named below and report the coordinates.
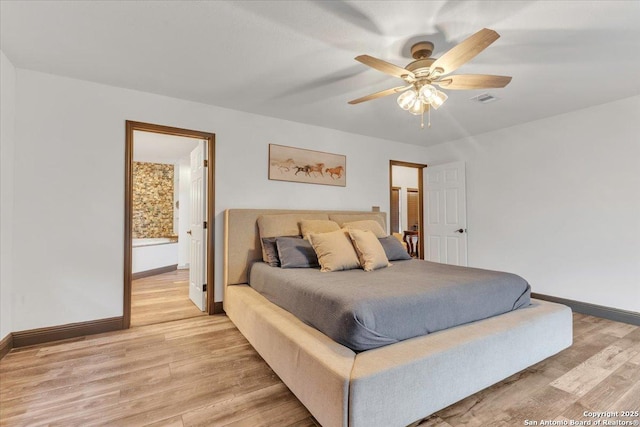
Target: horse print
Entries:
(337, 171)
(306, 166)
(310, 169)
(304, 169)
(284, 166)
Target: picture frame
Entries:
(307, 166)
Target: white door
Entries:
(445, 214)
(198, 250)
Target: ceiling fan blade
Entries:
(385, 67)
(380, 94)
(473, 81)
(464, 51)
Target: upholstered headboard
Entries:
(242, 239)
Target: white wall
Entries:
(7, 147)
(558, 201)
(69, 181)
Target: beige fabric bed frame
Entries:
(394, 385)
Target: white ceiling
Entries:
(160, 148)
(294, 59)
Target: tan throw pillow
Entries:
(316, 226)
(335, 250)
(369, 249)
(369, 225)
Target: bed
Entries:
(392, 385)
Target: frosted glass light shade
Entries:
(427, 93)
(439, 99)
(406, 99)
(418, 107)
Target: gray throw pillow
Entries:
(271, 251)
(394, 249)
(296, 253)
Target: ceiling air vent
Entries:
(484, 98)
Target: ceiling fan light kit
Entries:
(439, 99)
(418, 107)
(427, 93)
(406, 99)
(423, 74)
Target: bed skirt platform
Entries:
(314, 367)
(405, 382)
(401, 383)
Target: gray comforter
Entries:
(364, 310)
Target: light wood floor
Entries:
(599, 372)
(201, 371)
(162, 298)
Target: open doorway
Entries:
(168, 224)
(406, 204)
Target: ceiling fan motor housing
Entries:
(421, 67)
(421, 50)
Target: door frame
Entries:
(420, 167)
(393, 189)
(212, 307)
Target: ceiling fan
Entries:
(422, 75)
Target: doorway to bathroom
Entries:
(406, 205)
(169, 212)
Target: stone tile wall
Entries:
(152, 200)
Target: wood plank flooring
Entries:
(162, 298)
(202, 372)
(599, 372)
(197, 371)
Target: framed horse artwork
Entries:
(307, 166)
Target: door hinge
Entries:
(204, 288)
(204, 224)
(206, 163)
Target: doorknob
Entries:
(461, 230)
(189, 232)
